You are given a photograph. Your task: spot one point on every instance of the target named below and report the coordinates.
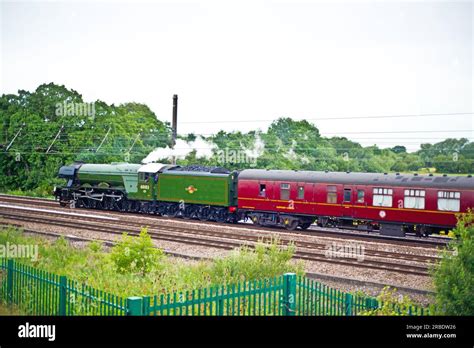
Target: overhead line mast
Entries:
(16, 135)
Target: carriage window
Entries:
(449, 201)
(285, 192)
(300, 192)
(382, 197)
(262, 192)
(414, 199)
(360, 196)
(332, 194)
(347, 195)
(141, 176)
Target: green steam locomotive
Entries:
(205, 193)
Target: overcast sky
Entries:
(256, 61)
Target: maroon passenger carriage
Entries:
(393, 203)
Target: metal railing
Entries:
(36, 292)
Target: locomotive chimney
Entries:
(174, 125)
(175, 119)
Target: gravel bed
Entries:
(374, 275)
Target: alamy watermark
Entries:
(231, 156)
(17, 251)
(76, 109)
(37, 331)
(345, 250)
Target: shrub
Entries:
(266, 260)
(454, 276)
(390, 304)
(135, 255)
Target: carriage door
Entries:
(300, 198)
(347, 201)
(265, 194)
(360, 201)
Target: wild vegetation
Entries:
(393, 304)
(134, 267)
(129, 132)
(454, 278)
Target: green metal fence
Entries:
(285, 295)
(37, 292)
(262, 297)
(314, 298)
(318, 299)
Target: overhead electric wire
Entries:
(456, 114)
(377, 132)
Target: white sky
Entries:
(256, 60)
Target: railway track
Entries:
(223, 240)
(254, 238)
(316, 231)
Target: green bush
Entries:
(265, 260)
(454, 276)
(136, 254)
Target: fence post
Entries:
(134, 305)
(146, 305)
(62, 295)
(348, 303)
(289, 294)
(10, 270)
(220, 302)
(220, 307)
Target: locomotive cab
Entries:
(148, 176)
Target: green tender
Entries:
(197, 188)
